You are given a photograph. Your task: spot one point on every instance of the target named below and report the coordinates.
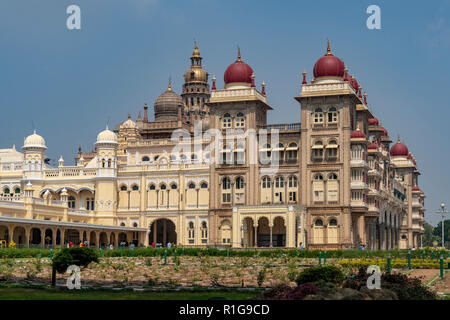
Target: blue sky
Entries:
(70, 83)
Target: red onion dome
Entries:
(329, 66)
(238, 71)
(416, 189)
(373, 122)
(399, 150)
(372, 146)
(357, 134)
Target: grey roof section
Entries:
(67, 224)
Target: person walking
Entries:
(169, 245)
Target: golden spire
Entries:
(196, 52)
(328, 48)
(169, 88)
(239, 54)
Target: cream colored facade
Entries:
(158, 181)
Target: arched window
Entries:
(103, 163)
(155, 158)
(145, 159)
(163, 187)
(204, 185)
(183, 158)
(318, 116)
(173, 157)
(279, 182)
(226, 188)
(71, 202)
(239, 183)
(135, 225)
(292, 152)
(226, 183)
(317, 150)
(123, 188)
(266, 183)
(265, 154)
(194, 157)
(332, 148)
(17, 191)
(318, 188)
(191, 233)
(191, 185)
(173, 186)
(204, 232)
(332, 231)
(226, 121)
(318, 223)
(135, 188)
(240, 120)
(292, 182)
(152, 187)
(332, 115)
(122, 224)
(109, 163)
(318, 231)
(6, 191)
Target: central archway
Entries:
(163, 231)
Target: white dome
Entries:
(34, 141)
(107, 136)
(128, 124)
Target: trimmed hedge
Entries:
(400, 263)
(214, 252)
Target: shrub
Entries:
(276, 293)
(261, 277)
(80, 256)
(302, 291)
(327, 273)
(406, 288)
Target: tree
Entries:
(79, 256)
(438, 231)
(428, 237)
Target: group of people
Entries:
(169, 245)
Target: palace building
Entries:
(333, 180)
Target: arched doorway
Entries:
(4, 234)
(73, 236)
(35, 237)
(279, 232)
(92, 239)
(163, 231)
(263, 232)
(58, 237)
(48, 238)
(103, 239)
(20, 237)
(122, 238)
(112, 239)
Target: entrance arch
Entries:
(279, 232)
(163, 231)
(36, 236)
(4, 234)
(20, 236)
(72, 235)
(263, 232)
(48, 237)
(103, 239)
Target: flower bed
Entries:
(395, 263)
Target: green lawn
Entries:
(16, 293)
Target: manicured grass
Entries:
(17, 293)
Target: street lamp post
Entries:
(442, 212)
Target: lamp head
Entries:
(442, 205)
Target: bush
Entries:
(406, 288)
(302, 291)
(80, 256)
(326, 273)
(276, 293)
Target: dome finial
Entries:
(169, 88)
(328, 48)
(239, 54)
